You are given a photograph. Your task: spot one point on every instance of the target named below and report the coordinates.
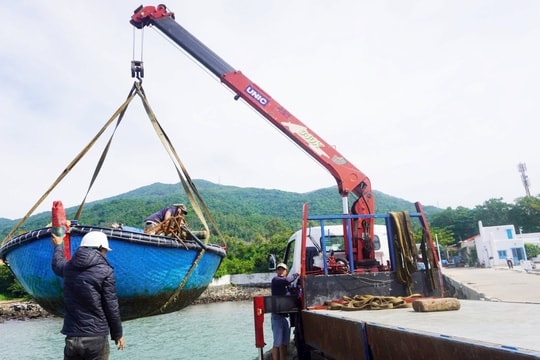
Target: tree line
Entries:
(455, 225)
(450, 226)
(258, 222)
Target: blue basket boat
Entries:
(154, 274)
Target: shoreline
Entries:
(21, 310)
(224, 293)
(24, 310)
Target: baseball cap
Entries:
(181, 207)
(282, 265)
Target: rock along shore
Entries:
(215, 294)
(28, 309)
(21, 310)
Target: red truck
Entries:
(359, 271)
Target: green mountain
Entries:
(240, 213)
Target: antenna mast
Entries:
(522, 167)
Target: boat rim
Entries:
(131, 236)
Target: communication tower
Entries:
(522, 167)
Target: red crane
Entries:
(349, 179)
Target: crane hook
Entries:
(137, 70)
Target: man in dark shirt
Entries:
(164, 214)
(90, 300)
(281, 328)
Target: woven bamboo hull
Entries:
(150, 270)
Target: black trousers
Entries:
(87, 348)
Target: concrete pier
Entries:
(478, 330)
(496, 284)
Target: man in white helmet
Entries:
(90, 299)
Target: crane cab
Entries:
(334, 245)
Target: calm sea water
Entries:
(213, 331)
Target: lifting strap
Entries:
(176, 294)
(405, 247)
(188, 185)
(120, 116)
(428, 249)
(192, 193)
(70, 166)
(428, 260)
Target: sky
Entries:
(435, 101)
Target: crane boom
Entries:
(349, 179)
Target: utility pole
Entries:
(522, 168)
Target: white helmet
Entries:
(95, 239)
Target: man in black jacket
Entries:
(90, 300)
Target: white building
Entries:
(497, 243)
(531, 238)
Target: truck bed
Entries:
(479, 330)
